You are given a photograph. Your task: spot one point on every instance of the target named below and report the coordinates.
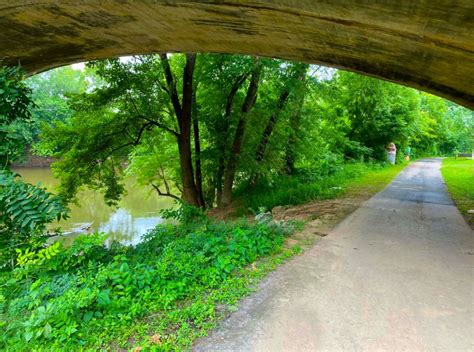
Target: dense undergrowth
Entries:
(305, 186)
(160, 294)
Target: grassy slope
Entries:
(459, 176)
(350, 180)
(372, 181)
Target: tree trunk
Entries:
(197, 151)
(190, 194)
(218, 181)
(295, 119)
(225, 131)
(270, 125)
(249, 102)
(184, 116)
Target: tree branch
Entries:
(230, 98)
(164, 180)
(160, 125)
(150, 121)
(167, 194)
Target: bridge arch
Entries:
(427, 45)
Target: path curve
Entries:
(396, 275)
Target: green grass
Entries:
(159, 295)
(372, 180)
(309, 186)
(459, 177)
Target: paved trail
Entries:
(396, 275)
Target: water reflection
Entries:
(135, 214)
(122, 224)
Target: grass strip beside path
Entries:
(372, 181)
(459, 177)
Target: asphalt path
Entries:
(396, 275)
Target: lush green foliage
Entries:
(51, 92)
(361, 115)
(459, 176)
(87, 295)
(25, 210)
(131, 117)
(15, 115)
(277, 132)
(300, 119)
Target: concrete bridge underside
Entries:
(427, 45)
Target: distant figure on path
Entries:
(391, 153)
(407, 153)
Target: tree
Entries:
(24, 209)
(51, 91)
(134, 103)
(183, 112)
(248, 104)
(15, 115)
(293, 81)
(139, 102)
(378, 112)
(200, 126)
(222, 78)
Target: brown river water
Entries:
(135, 214)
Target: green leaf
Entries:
(47, 330)
(28, 335)
(88, 316)
(103, 298)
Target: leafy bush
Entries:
(25, 210)
(88, 295)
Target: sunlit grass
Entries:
(459, 177)
(372, 181)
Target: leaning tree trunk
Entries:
(225, 131)
(267, 132)
(249, 102)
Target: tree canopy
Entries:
(196, 126)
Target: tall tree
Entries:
(138, 102)
(183, 112)
(248, 104)
(293, 84)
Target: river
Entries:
(136, 213)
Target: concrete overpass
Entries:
(424, 44)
